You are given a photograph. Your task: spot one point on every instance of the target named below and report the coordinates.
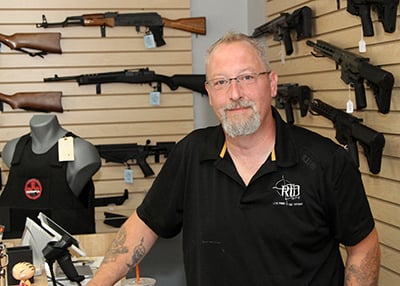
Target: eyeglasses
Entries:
(245, 79)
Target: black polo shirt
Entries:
(284, 228)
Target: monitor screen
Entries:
(57, 231)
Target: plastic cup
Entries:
(143, 281)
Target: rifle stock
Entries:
(195, 25)
(386, 10)
(36, 101)
(43, 42)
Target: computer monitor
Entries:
(37, 238)
(57, 231)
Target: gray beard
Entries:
(244, 127)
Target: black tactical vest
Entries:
(37, 183)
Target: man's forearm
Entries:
(114, 265)
(131, 244)
(363, 269)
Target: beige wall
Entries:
(122, 113)
(341, 29)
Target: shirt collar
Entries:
(284, 152)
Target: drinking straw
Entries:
(137, 273)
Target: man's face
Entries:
(241, 106)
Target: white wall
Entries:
(222, 16)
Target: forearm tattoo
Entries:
(117, 247)
(138, 253)
(365, 274)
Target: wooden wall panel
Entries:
(122, 113)
(339, 28)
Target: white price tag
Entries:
(66, 149)
(149, 41)
(349, 106)
(155, 98)
(362, 46)
(128, 176)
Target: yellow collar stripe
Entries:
(273, 156)
(223, 151)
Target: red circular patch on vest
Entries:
(33, 189)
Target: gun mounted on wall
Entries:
(193, 82)
(349, 131)
(290, 94)
(153, 22)
(355, 70)
(300, 21)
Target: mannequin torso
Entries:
(45, 133)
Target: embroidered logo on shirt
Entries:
(33, 189)
(289, 194)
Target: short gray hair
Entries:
(231, 37)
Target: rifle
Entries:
(349, 131)
(290, 94)
(386, 10)
(36, 101)
(143, 75)
(43, 42)
(129, 152)
(152, 21)
(354, 70)
(280, 27)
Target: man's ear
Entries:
(273, 81)
(209, 94)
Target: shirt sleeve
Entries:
(350, 213)
(162, 207)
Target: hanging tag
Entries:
(155, 98)
(362, 46)
(149, 41)
(282, 52)
(128, 175)
(66, 149)
(349, 104)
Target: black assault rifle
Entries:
(354, 70)
(290, 94)
(386, 10)
(129, 153)
(193, 82)
(300, 21)
(152, 21)
(349, 131)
